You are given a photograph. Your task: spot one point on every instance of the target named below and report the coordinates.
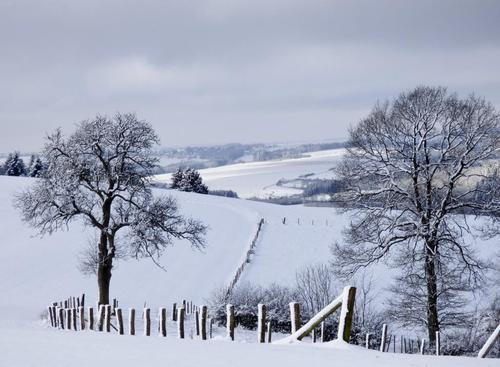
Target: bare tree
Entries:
(101, 174)
(315, 287)
(414, 169)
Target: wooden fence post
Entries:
(174, 312)
(314, 335)
(119, 319)
(101, 318)
(230, 321)
(49, 316)
(438, 343)
(81, 314)
(69, 319)
(261, 323)
(295, 316)
(91, 318)
(422, 346)
(147, 322)
(203, 320)
(384, 337)
(269, 332)
(197, 322)
(163, 321)
(180, 322)
(322, 335)
(108, 318)
(73, 314)
(211, 323)
(367, 341)
(346, 314)
(82, 300)
(131, 321)
(61, 318)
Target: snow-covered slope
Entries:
(259, 179)
(35, 271)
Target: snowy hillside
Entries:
(35, 271)
(260, 179)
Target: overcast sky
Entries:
(205, 72)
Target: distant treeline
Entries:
(14, 166)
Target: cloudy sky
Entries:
(218, 71)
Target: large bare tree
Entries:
(101, 174)
(417, 169)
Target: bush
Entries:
(225, 193)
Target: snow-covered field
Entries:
(36, 271)
(259, 179)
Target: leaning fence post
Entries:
(490, 342)
(383, 339)
(230, 321)
(295, 316)
(269, 332)
(163, 321)
(147, 322)
(261, 323)
(119, 319)
(180, 322)
(438, 343)
(108, 318)
(131, 321)
(91, 318)
(81, 314)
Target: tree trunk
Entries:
(432, 294)
(104, 270)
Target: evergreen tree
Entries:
(14, 165)
(35, 167)
(189, 181)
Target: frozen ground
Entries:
(36, 271)
(259, 179)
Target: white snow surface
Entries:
(258, 179)
(35, 271)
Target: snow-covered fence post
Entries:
(384, 337)
(489, 343)
(119, 320)
(422, 346)
(295, 316)
(203, 321)
(147, 322)
(180, 322)
(49, 316)
(131, 321)
(81, 313)
(107, 317)
(73, 315)
(61, 318)
(211, 326)
(163, 321)
(269, 332)
(346, 314)
(230, 321)
(69, 318)
(91, 318)
(438, 343)
(367, 341)
(101, 318)
(322, 335)
(174, 312)
(197, 322)
(82, 300)
(261, 323)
